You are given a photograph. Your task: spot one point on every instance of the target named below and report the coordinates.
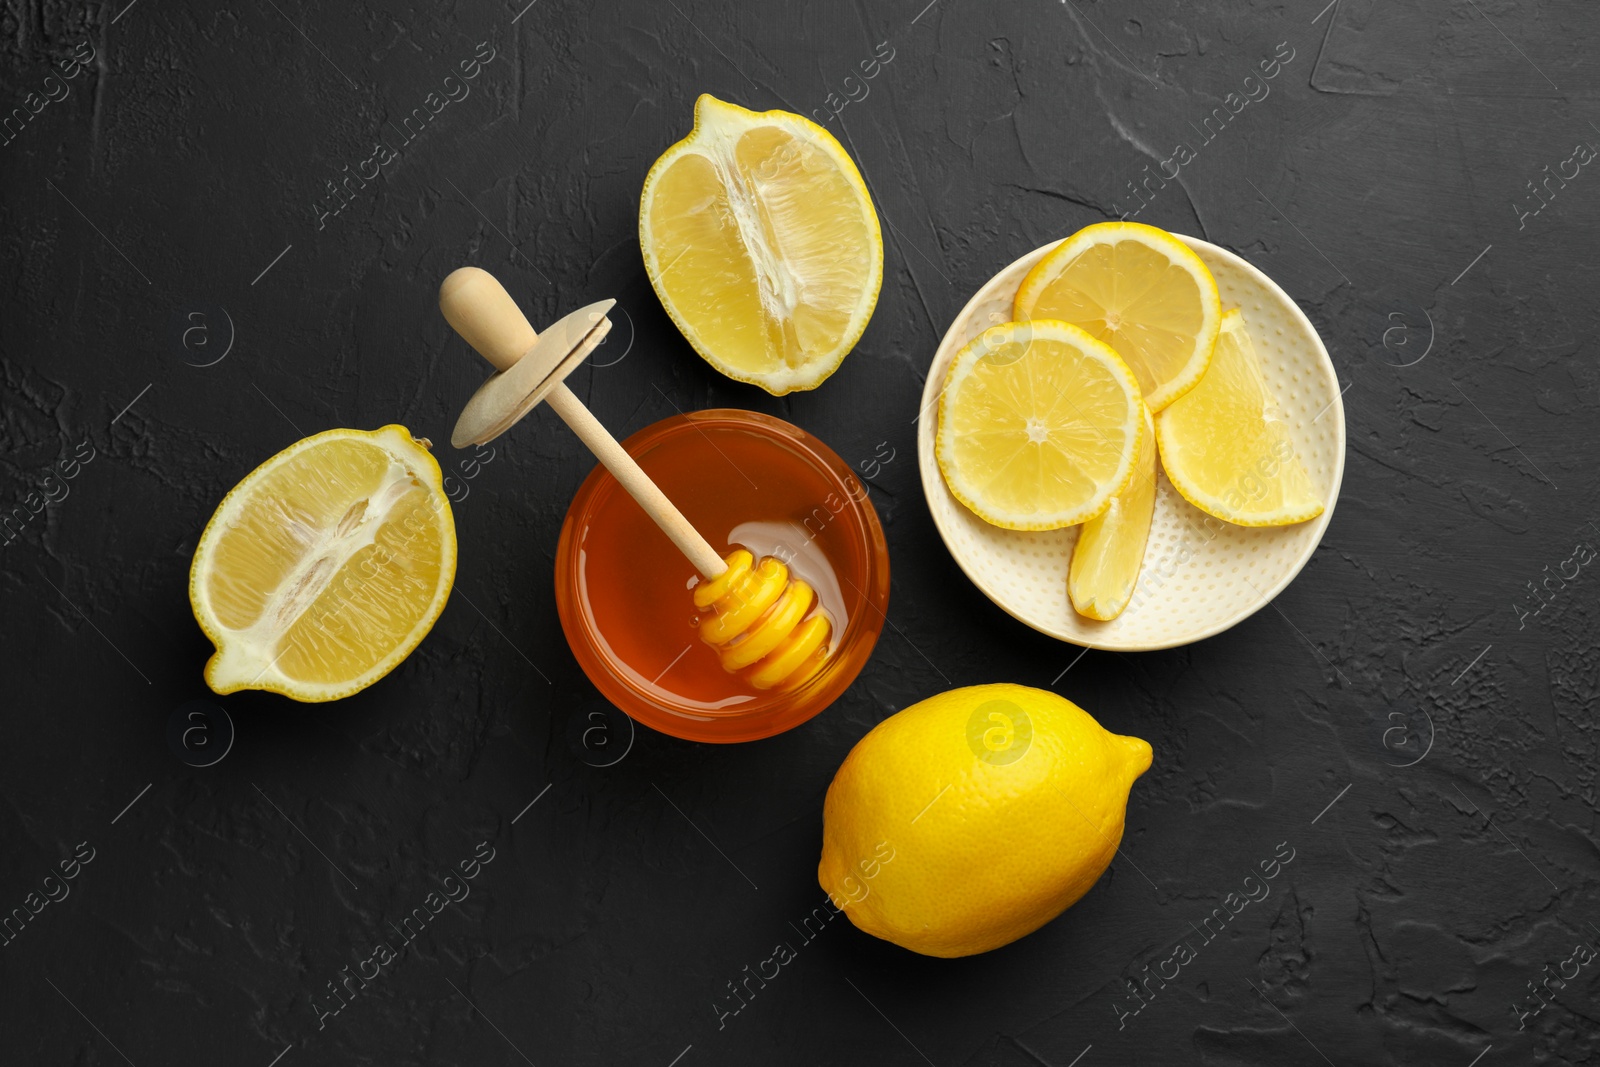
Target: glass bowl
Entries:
(742, 478)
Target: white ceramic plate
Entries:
(1195, 583)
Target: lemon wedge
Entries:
(1226, 447)
(1038, 425)
(760, 238)
(1110, 549)
(326, 566)
(1138, 289)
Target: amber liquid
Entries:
(738, 488)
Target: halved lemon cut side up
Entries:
(1038, 425)
(760, 238)
(1225, 444)
(1141, 291)
(326, 566)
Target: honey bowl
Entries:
(743, 479)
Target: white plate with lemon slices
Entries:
(1199, 574)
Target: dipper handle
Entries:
(638, 484)
(478, 307)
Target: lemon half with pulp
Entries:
(326, 566)
(760, 238)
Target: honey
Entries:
(743, 479)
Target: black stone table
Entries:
(221, 229)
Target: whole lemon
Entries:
(974, 817)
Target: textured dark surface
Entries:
(1404, 678)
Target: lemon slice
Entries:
(1226, 447)
(326, 566)
(1110, 549)
(1038, 425)
(762, 243)
(1138, 289)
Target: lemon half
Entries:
(326, 566)
(1038, 424)
(760, 238)
(1138, 289)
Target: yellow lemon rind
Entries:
(269, 679)
(1014, 844)
(818, 368)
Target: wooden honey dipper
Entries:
(764, 624)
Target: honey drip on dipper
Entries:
(764, 623)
